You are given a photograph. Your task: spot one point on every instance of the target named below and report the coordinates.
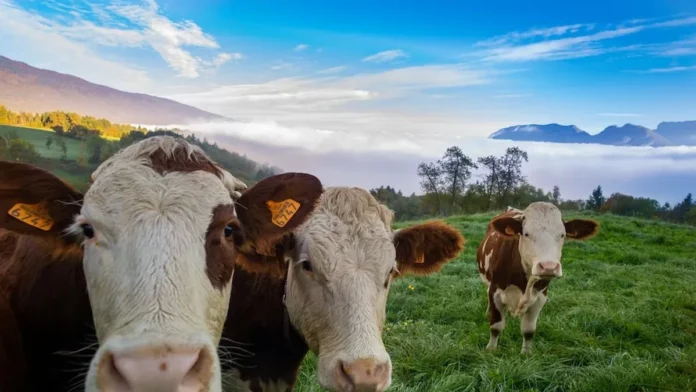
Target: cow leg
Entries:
(529, 322)
(496, 318)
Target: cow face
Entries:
(542, 231)
(160, 231)
(344, 259)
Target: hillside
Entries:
(29, 89)
(666, 134)
(623, 318)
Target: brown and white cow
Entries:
(159, 231)
(517, 259)
(335, 286)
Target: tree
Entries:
(431, 183)
(491, 180)
(596, 199)
(511, 173)
(49, 142)
(556, 195)
(21, 151)
(682, 209)
(456, 168)
(62, 146)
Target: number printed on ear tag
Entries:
(32, 214)
(282, 212)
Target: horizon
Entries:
(322, 86)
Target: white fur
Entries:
(146, 265)
(340, 307)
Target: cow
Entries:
(517, 259)
(328, 294)
(144, 259)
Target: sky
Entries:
(360, 92)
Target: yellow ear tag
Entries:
(282, 212)
(32, 214)
(420, 259)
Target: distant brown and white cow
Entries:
(160, 233)
(341, 263)
(517, 259)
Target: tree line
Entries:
(92, 150)
(67, 123)
(448, 189)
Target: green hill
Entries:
(623, 318)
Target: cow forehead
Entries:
(543, 216)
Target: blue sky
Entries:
(382, 77)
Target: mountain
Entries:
(553, 133)
(29, 89)
(666, 134)
(683, 132)
(630, 135)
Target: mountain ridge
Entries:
(26, 88)
(667, 133)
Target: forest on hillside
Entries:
(96, 139)
(449, 189)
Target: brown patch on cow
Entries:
(425, 248)
(261, 234)
(182, 160)
(44, 283)
(28, 184)
(581, 229)
(506, 224)
(220, 250)
(256, 322)
(13, 365)
(273, 265)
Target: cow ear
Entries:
(273, 208)
(507, 226)
(425, 248)
(34, 201)
(581, 229)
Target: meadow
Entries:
(623, 318)
(37, 137)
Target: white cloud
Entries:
(301, 47)
(280, 65)
(386, 56)
(134, 26)
(510, 96)
(533, 33)
(333, 70)
(503, 49)
(32, 38)
(668, 69)
(620, 114)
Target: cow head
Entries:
(541, 232)
(343, 261)
(160, 231)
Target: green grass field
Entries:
(37, 137)
(623, 318)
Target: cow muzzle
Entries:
(161, 368)
(362, 375)
(547, 269)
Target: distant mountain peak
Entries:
(35, 90)
(667, 134)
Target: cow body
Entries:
(329, 296)
(141, 264)
(517, 259)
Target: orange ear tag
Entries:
(282, 212)
(420, 259)
(35, 215)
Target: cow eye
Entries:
(526, 234)
(87, 230)
(306, 265)
(229, 230)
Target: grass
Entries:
(622, 319)
(37, 137)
